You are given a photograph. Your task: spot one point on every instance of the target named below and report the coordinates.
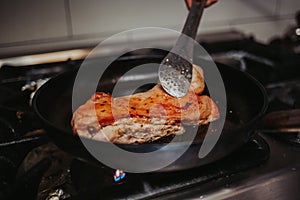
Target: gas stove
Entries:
(32, 167)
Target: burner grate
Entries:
(80, 180)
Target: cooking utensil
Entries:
(246, 101)
(175, 71)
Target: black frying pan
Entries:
(246, 103)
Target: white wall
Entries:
(29, 26)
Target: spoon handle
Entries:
(192, 22)
(184, 45)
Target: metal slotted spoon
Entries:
(175, 71)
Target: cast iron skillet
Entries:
(246, 104)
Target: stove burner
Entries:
(119, 175)
(94, 182)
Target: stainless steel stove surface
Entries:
(267, 167)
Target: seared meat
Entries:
(144, 116)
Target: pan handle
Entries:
(286, 121)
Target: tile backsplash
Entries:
(34, 26)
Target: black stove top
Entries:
(75, 181)
(48, 173)
(141, 186)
